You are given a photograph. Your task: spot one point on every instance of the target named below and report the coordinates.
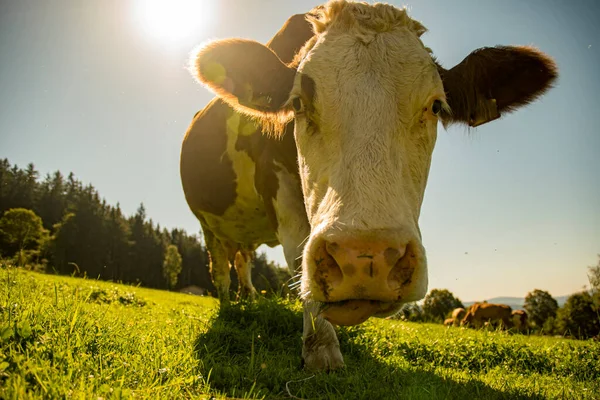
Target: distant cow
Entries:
(481, 314)
(458, 314)
(519, 319)
(449, 322)
(321, 141)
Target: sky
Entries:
(100, 88)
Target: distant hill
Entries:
(516, 303)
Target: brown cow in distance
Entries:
(321, 141)
(457, 316)
(481, 313)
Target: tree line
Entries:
(578, 318)
(57, 224)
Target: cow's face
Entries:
(366, 95)
(367, 100)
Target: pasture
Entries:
(64, 337)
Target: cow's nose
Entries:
(363, 270)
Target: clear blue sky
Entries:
(99, 88)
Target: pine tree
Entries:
(51, 204)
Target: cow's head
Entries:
(366, 96)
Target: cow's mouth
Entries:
(354, 312)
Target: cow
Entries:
(321, 141)
(483, 314)
(519, 319)
(457, 315)
(449, 322)
(232, 174)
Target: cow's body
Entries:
(232, 174)
(457, 315)
(481, 313)
(335, 167)
(242, 184)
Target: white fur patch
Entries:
(293, 228)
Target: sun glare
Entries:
(174, 21)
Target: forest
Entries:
(56, 224)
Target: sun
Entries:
(174, 21)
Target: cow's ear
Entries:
(495, 80)
(244, 73)
(294, 33)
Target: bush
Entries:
(578, 318)
(22, 234)
(549, 327)
(438, 304)
(540, 306)
(172, 265)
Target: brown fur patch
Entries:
(206, 171)
(291, 37)
(495, 80)
(248, 76)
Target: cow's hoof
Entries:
(323, 358)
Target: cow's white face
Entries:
(367, 105)
(365, 95)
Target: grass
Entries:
(63, 337)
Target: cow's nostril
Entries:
(404, 266)
(327, 274)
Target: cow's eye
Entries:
(436, 107)
(298, 105)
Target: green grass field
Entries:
(63, 337)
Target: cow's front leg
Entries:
(243, 266)
(219, 265)
(321, 347)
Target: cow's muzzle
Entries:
(357, 279)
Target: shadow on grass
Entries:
(253, 349)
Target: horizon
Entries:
(101, 90)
